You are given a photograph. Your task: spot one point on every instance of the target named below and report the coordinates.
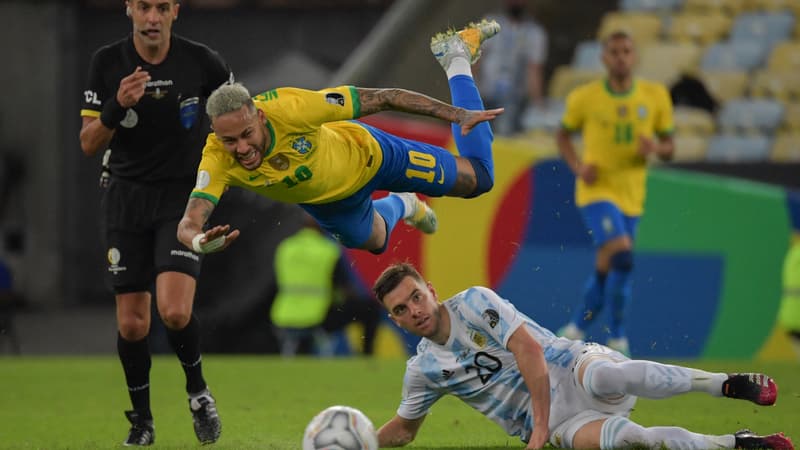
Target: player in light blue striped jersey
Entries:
(478, 347)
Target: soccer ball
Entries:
(340, 428)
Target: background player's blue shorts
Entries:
(606, 222)
(408, 166)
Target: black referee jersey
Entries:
(161, 137)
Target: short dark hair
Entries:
(392, 276)
(615, 35)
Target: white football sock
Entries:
(459, 66)
(620, 432)
(408, 200)
(648, 379)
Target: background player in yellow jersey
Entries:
(300, 146)
(623, 120)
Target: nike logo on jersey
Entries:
(253, 177)
(441, 175)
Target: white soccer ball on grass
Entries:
(340, 428)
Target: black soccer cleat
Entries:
(756, 387)
(746, 439)
(142, 431)
(207, 425)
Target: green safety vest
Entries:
(304, 265)
(789, 314)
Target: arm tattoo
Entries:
(375, 100)
(201, 207)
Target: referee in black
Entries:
(144, 103)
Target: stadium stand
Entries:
(690, 147)
(644, 27)
(751, 116)
(726, 85)
(763, 27)
(735, 55)
(693, 122)
(665, 61)
(746, 53)
(777, 5)
(698, 28)
(785, 56)
(587, 56)
(729, 7)
(786, 148)
(565, 78)
(736, 148)
(791, 117)
(781, 85)
(650, 5)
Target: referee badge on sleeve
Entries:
(189, 111)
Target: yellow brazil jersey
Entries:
(612, 124)
(317, 155)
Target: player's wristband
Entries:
(113, 113)
(209, 246)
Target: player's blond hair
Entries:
(228, 98)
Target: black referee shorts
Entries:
(140, 224)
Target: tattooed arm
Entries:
(198, 210)
(376, 100)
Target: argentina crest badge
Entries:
(190, 108)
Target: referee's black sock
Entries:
(186, 343)
(135, 359)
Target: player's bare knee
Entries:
(133, 328)
(175, 319)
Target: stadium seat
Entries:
(643, 27)
(699, 28)
(548, 118)
(791, 116)
(565, 79)
(588, 56)
(734, 148)
(664, 62)
(786, 148)
(783, 85)
(693, 121)
(777, 5)
(729, 7)
(785, 56)
(765, 27)
(725, 85)
(650, 5)
(759, 115)
(690, 148)
(734, 55)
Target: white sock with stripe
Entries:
(621, 432)
(608, 379)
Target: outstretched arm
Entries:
(393, 99)
(533, 367)
(398, 431)
(190, 228)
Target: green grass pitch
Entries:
(266, 402)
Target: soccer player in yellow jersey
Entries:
(624, 120)
(300, 146)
